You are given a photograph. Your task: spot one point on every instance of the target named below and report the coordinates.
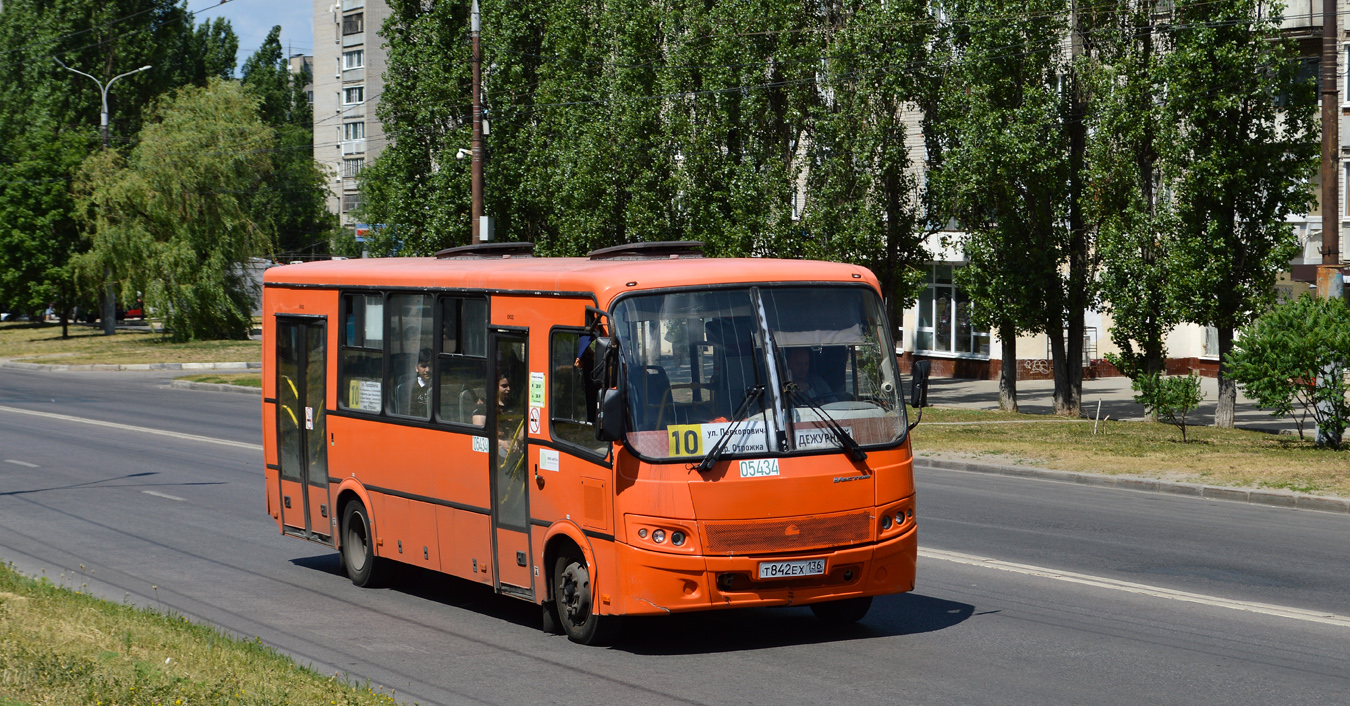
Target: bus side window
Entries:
(573, 402)
(361, 362)
(410, 354)
(462, 359)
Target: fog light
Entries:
(724, 581)
(909, 513)
(677, 538)
(658, 536)
(899, 518)
(642, 533)
(885, 522)
(848, 576)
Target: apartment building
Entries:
(349, 65)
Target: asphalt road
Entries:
(187, 515)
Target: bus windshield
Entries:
(804, 356)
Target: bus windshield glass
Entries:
(809, 358)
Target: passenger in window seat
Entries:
(417, 391)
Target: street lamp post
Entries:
(109, 297)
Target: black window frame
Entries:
(344, 304)
(438, 317)
(388, 353)
(572, 448)
(354, 23)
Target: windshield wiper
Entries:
(854, 450)
(751, 394)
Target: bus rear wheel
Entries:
(358, 549)
(849, 610)
(572, 599)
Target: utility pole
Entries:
(109, 296)
(1330, 282)
(476, 148)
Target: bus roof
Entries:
(606, 278)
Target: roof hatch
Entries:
(661, 250)
(486, 251)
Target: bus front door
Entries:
(303, 447)
(510, 496)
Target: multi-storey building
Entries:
(349, 64)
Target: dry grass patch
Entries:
(240, 379)
(1215, 456)
(59, 646)
(42, 343)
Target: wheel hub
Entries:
(576, 593)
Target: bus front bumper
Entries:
(657, 583)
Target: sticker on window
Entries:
(364, 395)
(698, 439)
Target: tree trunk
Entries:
(1007, 377)
(65, 322)
(1224, 412)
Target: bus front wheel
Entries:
(572, 598)
(849, 610)
(358, 547)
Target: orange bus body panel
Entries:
(426, 488)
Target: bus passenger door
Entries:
(510, 461)
(302, 436)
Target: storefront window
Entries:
(944, 323)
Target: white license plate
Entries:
(786, 569)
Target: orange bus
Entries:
(638, 432)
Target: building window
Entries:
(944, 324)
(1211, 349)
(351, 168)
(309, 96)
(353, 95)
(351, 202)
(354, 131)
(354, 23)
(353, 59)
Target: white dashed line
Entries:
(25, 464)
(166, 496)
(1311, 616)
(128, 427)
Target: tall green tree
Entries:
(173, 218)
(1005, 169)
(1240, 155)
(49, 120)
(293, 201)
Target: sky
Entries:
(253, 19)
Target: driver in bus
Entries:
(799, 371)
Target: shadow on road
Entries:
(682, 633)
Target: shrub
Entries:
(1279, 358)
(1170, 398)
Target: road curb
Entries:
(1274, 498)
(215, 387)
(18, 365)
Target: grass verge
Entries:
(42, 343)
(59, 645)
(1214, 456)
(240, 379)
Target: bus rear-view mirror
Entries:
(918, 385)
(610, 426)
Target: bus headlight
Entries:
(658, 536)
(677, 538)
(885, 522)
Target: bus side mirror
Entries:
(918, 385)
(610, 426)
(603, 347)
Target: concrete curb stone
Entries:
(249, 365)
(1274, 498)
(214, 387)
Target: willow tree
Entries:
(172, 219)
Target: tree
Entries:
(1169, 398)
(1280, 356)
(293, 201)
(49, 119)
(1239, 156)
(173, 218)
(1004, 169)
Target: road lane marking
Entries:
(1312, 616)
(25, 464)
(162, 495)
(128, 427)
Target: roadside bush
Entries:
(1170, 398)
(1278, 359)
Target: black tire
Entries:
(849, 610)
(572, 601)
(358, 549)
(550, 623)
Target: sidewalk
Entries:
(1115, 395)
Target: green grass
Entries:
(1215, 456)
(241, 379)
(59, 645)
(42, 343)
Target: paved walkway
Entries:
(1115, 395)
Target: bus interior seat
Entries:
(655, 388)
